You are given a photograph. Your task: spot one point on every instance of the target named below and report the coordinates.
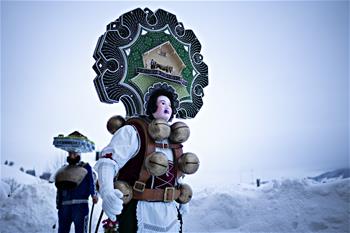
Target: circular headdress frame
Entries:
(143, 49)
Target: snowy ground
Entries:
(278, 206)
(287, 205)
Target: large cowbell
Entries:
(144, 49)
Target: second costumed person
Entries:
(153, 65)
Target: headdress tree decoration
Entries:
(143, 50)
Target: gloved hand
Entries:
(184, 209)
(95, 199)
(112, 204)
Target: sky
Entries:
(277, 101)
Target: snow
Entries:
(30, 209)
(279, 206)
(9, 172)
(285, 205)
(343, 173)
(4, 190)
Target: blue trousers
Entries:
(77, 213)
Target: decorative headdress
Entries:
(143, 50)
(74, 142)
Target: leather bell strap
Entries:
(166, 146)
(164, 195)
(145, 175)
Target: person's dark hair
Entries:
(73, 161)
(152, 103)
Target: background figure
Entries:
(74, 184)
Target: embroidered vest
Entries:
(134, 169)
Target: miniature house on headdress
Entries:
(164, 58)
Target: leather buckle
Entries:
(139, 186)
(162, 145)
(172, 192)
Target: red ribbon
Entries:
(109, 224)
(108, 156)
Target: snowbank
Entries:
(9, 172)
(289, 205)
(31, 208)
(277, 206)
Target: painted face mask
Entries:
(164, 110)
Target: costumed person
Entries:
(153, 65)
(75, 183)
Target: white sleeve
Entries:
(112, 202)
(106, 171)
(124, 145)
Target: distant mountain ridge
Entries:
(338, 173)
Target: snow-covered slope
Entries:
(8, 172)
(31, 208)
(288, 205)
(336, 174)
(278, 206)
(31, 205)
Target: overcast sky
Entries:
(277, 101)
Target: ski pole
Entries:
(92, 211)
(98, 222)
